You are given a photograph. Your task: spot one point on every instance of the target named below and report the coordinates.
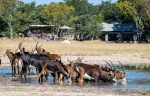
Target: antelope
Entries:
(13, 61)
(21, 49)
(119, 75)
(71, 72)
(56, 67)
(92, 73)
(34, 60)
(42, 51)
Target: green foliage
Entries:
(84, 17)
(137, 9)
(88, 26)
(57, 14)
(7, 8)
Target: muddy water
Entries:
(136, 79)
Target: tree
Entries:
(58, 14)
(137, 9)
(25, 15)
(81, 7)
(7, 8)
(111, 12)
(88, 26)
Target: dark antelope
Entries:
(34, 60)
(56, 67)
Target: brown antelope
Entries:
(13, 61)
(44, 52)
(119, 75)
(92, 73)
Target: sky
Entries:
(38, 2)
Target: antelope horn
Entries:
(113, 65)
(108, 64)
(40, 45)
(16, 50)
(36, 44)
(122, 67)
(114, 69)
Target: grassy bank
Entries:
(86, 48)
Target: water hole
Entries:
(136, 79)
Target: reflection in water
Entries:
(136, 79)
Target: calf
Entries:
(56, 67)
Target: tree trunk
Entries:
(11, 29)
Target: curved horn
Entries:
(16, 50)
(114, 79)
(124, 78)
(40, 45)
(108, 64)
(114, 68)
(113, 65)
(122, 67)
(36, 44)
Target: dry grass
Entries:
(91, 48)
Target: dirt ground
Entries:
(8, 88)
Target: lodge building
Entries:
(123, 33)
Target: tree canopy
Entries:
(84, 17)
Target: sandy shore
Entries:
(125, 60)
(8, 88)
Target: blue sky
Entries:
(38, 2)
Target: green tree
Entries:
(7, 8)
(88, 26)
(58, 14)
(111, 13)
(135, 9)
(27, 14)
(81, 7)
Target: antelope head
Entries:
(38, 49)
(20, 47)
(7, 52)
(79, 59)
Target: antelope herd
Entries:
(47, 63)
